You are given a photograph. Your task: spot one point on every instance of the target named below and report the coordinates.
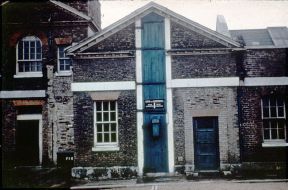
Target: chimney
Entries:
(221, 26)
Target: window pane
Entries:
(272, 102)
(105, 106)
(61, 52)
(99, 137)
(274, 133)
(62, 65)
(106, 116)
(112, 106)
(113, 137)
(106, 127)
(99, 128)
(98, 106)
(265, 112)
(106, 137)
(38, 49)
(26, 50)
(39, 66)
(280, 102)
(266, 134)
(281, 133)
(26, 66)
(113, 127)
(273, 124)
(21, 67)
(32, 49)
(99, 117)
(265, 102)
(266, 124)
(273, 112)
(67, 64)
(33, 66)
(280, 111)
(20, 50)
(113, 116)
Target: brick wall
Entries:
(183, 38)
(251, 124)
(83, 126)
(216, 65)
(45, 20)
(121, 40)
(265, 63)
(9, 124)
(101, 70)
(221, 102)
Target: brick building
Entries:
(36, 100)
(186, 98)
(156, 92)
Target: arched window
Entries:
(29, 55)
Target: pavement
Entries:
(213, 184)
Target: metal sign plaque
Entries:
(154, 104)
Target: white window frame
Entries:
(63, 72)
(108, 146)
(273, 142)
(28, 74)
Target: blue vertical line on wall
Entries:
(153, 69)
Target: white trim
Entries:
(169, 114)
(35, 117)
(29, 117)
(203, 82)
(105, 148)
(265, 81)
(23, 94)
(275, 144)
(63, 72)
(71, 9)
(28, 74)
(102, 86)
(139, 98)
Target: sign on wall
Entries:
(157, 104)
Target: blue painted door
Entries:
(206, 143)
(154, 88)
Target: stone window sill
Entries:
(104, 148)
(276, 143)
(29, 75)
(63, 74)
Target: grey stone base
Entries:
(103, 173)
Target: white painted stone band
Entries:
(22, 94)
(265, 81)
(203, 82)
(175, 83)
(102, 86)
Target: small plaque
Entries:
(154, 104)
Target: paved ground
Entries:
(200, 185)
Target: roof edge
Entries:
(161, 8)
(71, 9)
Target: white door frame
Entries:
(39, 118)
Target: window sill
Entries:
(28, 75)
(63, 74)
(276, 143)
(105, 148)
